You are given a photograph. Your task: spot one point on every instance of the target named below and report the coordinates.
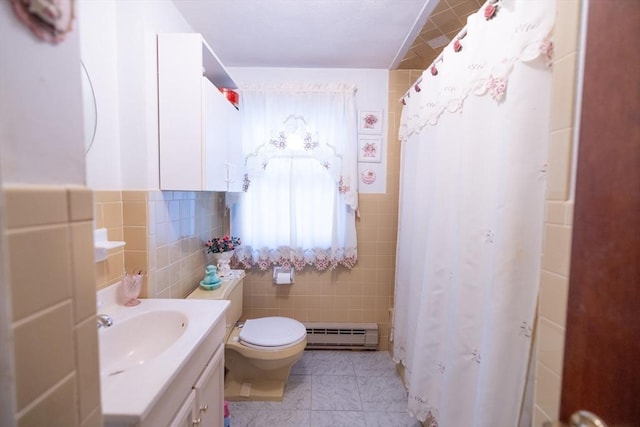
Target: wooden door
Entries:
(602, 347)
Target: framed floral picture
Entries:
(370, 122)
(369, 149)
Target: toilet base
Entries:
(264, 390)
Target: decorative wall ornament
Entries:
(49, 20)
(370, 122)
(368, 176)
(370, 149)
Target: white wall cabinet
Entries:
(199, 129)
(222, 123)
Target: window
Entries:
(300, 191)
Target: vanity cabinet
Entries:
(203, 406)
(187, 415)
(209, 392)
(199, 129)
(173, 379)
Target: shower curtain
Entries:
(474, 134)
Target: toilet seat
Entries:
(272, 332)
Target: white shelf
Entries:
(102, 245)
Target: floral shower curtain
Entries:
(474, 134)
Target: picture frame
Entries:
(369, 149)
(370, 122)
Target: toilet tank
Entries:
(230, 289)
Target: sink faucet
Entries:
(104, 320)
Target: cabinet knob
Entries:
(204, 408)
(196, 422)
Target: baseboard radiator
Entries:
(352, 336)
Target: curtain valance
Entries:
(481, 62)
(302, 120)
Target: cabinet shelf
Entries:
(214, 70)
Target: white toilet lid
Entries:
(272, 331)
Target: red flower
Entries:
(222, 244)
(457, 47)
(417, 88)
(434, 70)
(490, 11)
(370, 121)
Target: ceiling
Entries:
(387, 34)
(445, 22)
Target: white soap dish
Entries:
(102, 245)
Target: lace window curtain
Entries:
(300, 192)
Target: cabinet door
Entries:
(209, 391)
(235, 159)
(180, 111)
(214, 133)
(188, 414)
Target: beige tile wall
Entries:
(124, 215)
(164, 232)
(49, 237)
(552, 302)
(179, 224)
(108, 214)
(135, 224)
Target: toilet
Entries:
(259, 353)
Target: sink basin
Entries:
(136, 340)
(153, 351)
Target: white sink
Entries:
(151, 350)
(138, 339)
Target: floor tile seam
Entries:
(375, 376)
(332, 366)
(334, 375)
(262, 410)
(359, 393)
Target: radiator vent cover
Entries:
(354, 336)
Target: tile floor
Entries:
(334, 388)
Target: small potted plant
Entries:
(222, 249)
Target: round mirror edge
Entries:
(90, 109)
